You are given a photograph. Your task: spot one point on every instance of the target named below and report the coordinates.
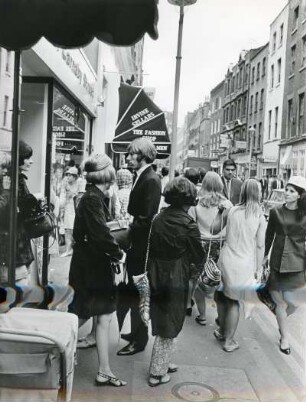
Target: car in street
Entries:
(277, 197)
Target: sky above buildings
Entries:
(214, 33)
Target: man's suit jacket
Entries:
(143, 205)
(235, 190)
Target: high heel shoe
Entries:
(286, 351)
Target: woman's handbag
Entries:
(142, 284)
(262, 290)
(211, 275)
(37, 219)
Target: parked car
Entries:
(277, 197)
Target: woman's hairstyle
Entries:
(99, 169)
(124, 178)
(5, 160)
(298, 189)
(302, 204)
(25, 152)
(211, 191)
(144, 148)
(250, 197)
(180, 191)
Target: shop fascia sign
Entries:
(240, 144)
(76, 70)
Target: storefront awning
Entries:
(74, 23)
(140, 117)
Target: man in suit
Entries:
(231, 185)
(143, 205)
(277, 183)
(264, 186)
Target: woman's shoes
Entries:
(286, 351)
(230, 348)
(200, 321)
(219, 335)
(156, 380)
(172, 368)
(104, 379)
(86, 343)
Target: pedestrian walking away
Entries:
(175, 243)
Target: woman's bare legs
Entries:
(231, 320)
(200, 300)
(220, 300)
(281, 317)
(102, 339)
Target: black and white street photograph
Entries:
(152, 200)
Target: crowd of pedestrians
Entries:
(176, 226)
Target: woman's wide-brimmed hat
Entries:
(298, 181)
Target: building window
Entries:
(279, 70)
(303, 60)
(258, 72)
(8, 61)
(5, 110)
(259, 135)
(274, 42)
(253, 75)
(272, 76)
(263, 67)
(293, 54)
(244, 105)
(239, 108)
(281, 34)
(289, 118)
(262, 94)
(270, 122)
(301, 114)
(295, 18)
(256, 102)
(276, 122)
(251, 105)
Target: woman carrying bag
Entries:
(285, 237)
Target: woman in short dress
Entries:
(94, 250)
(240, 258)
(285, 234)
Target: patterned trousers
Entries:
(162, 352)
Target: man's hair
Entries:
(164, 171)
(144, 148)
(180, 191)
(229, 162)
(192, 175)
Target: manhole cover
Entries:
(195, 392)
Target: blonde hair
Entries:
(211, 190)
(250, 198)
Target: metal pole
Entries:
(176, 94)
(14, 173)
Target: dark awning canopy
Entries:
(139, 117)
(74, 23)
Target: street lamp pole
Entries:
(181, 4)
(252, 132)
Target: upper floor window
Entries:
(279, 69)
(301, 111)
(8, 61)
(263, 67)
(256, 102)
(258, 71)
(295, 18)
(289, 118)
(253, 75)
(276, 122)
(251, 104)
(303, 59)
(272, 77)
(293, 55)
(5, 110)
(269, 124)
(274, 42)
(281, 34)
(262, 94)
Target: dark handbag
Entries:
(37, 219)
(262, 290)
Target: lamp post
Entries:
(181, 4)
(252, 132)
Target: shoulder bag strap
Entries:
(148, 246)
(210, 240)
